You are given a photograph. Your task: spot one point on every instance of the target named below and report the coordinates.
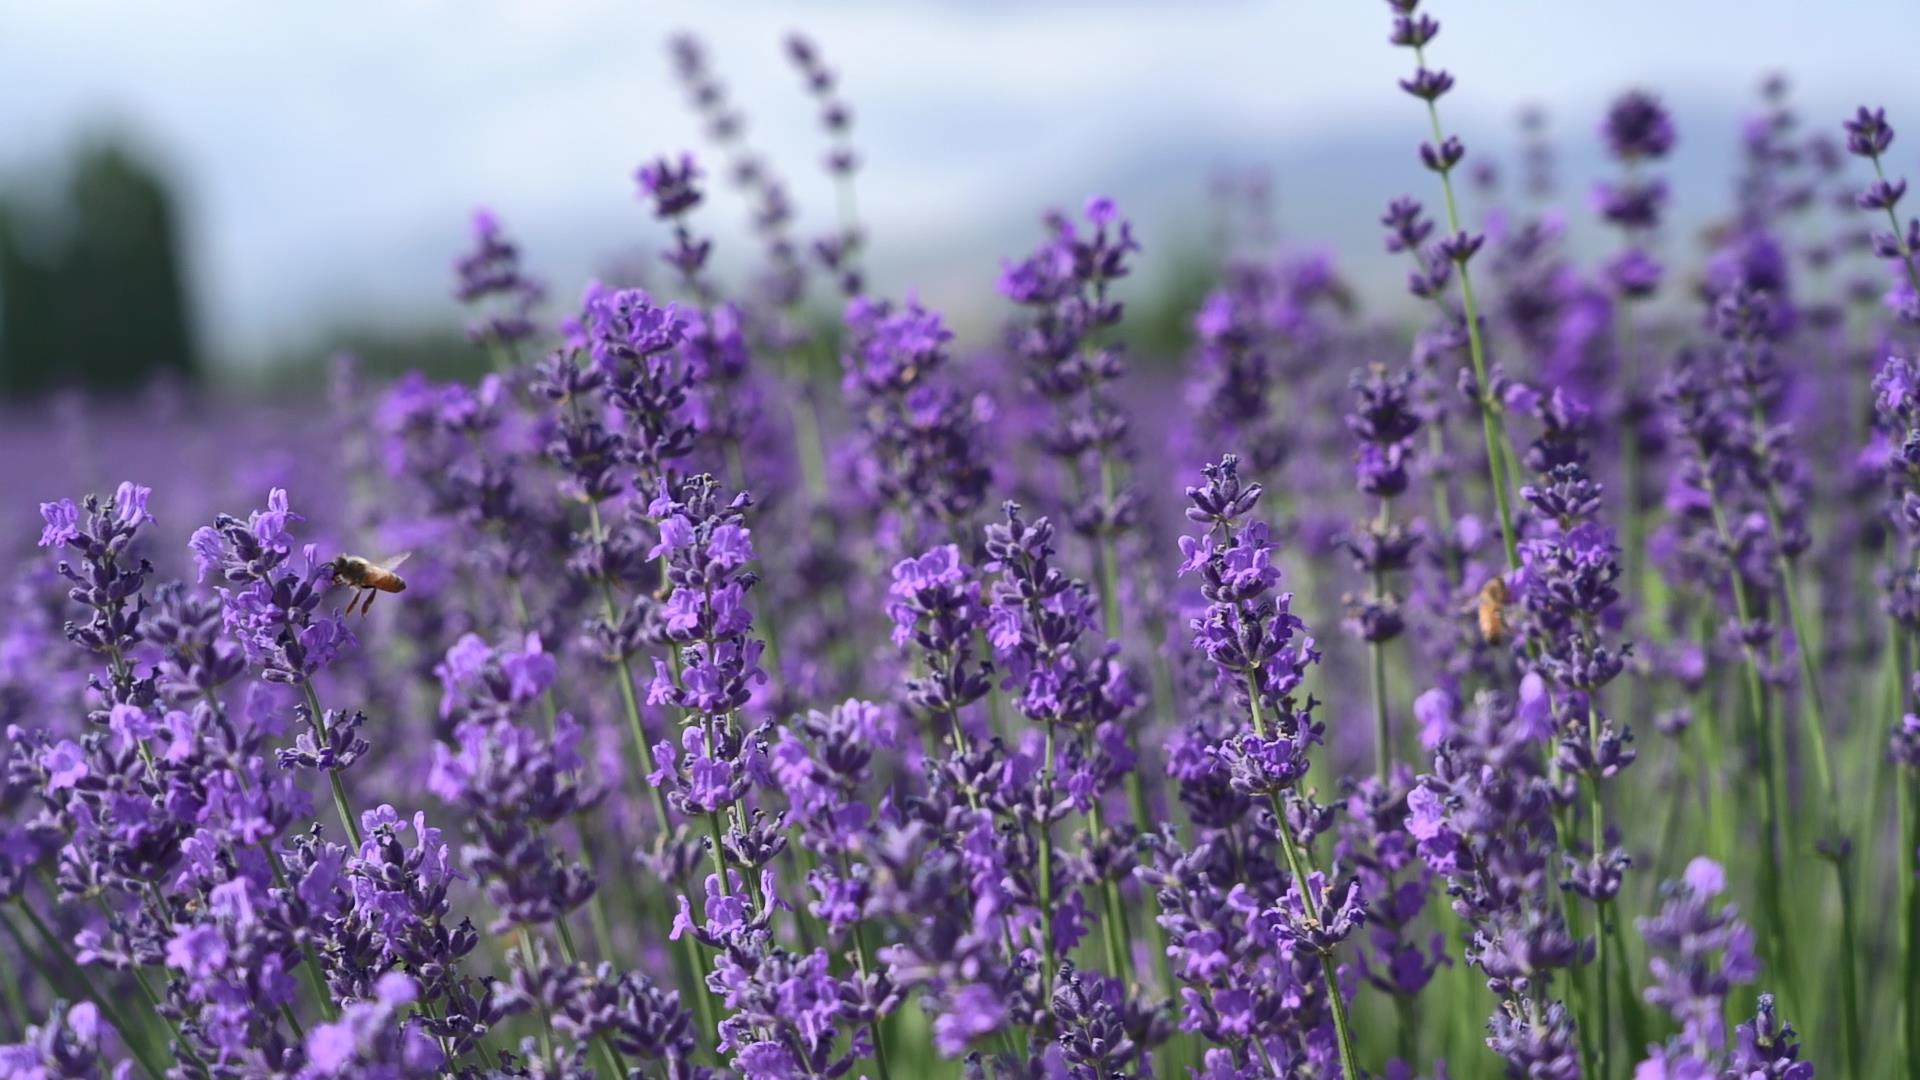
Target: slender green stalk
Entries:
(1909, 874)
(863, 956)
(546, 1018)
(696, 960)
(1578, 992)
(1633, 1017)
(135, 1041)
(1835, 845)
(1771, 819)
(1046, 869)
(1899, 235)
(607, 1050)
(1706, 724)
(1492, 426)
(1135, 785)
(17, 1016)
(340, 804)
(1113, 931)
(1301, 868)
(1603, 992)
(1443, 500)
(1377, 661)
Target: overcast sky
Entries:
(330, 153)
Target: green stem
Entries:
(1443, 501)
(1382, 748)
(135, 1043)
(1492, 427)
(1849, 981)
(546, 1018)
(1757, 695)
(696, 960)
(1136, 787)
(1633, 1016)
(1046, 869)
(1909, 873)
(1113, 932)
(17, 1014)
(1899, 236)
(1300, 867)
(340, 804)
(607, 1050)
(864, 957)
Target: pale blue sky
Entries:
(331, 152)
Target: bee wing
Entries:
(394, 563)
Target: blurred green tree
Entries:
(93, 290)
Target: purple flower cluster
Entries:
(723, 725)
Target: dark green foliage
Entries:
(93, 290)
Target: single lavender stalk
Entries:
(276, 615)
(1745, 322)
(1868, 136)
(1637, 129)
(489, 279)
(781, 286)
(1408, 230)
(1245, 633)
(630, 341)
(1699, 412)
(1567, 591)
(1067, 286)
(1440, 157)
(1897, 411)
(1385, 423)
(839, 254)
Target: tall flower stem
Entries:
(1377, 663)
(135, 1043)
(316, 978)
(596, 905)
(1300, 866)
(1492, 425)
(696, 960)
(607, 1050)
(546, 1018)
(1046, 869)
(1899, 235)
(16, 1005)
(1113, 932)
(863, 956)
(1835, 847)
(1758, 702)
(1596, 815)
(1135, 785)
(340, 804)
(1910, 917)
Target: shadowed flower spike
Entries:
(1638, 127)
(670, 184)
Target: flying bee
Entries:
(368, 578)
(1490, 608)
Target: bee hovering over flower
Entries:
(369, 578)
(1489, 608)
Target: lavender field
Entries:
(764, 675)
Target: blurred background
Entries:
(228, 191)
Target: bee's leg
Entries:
(365, 607)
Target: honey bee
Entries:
(1490, 608)
(368, 578)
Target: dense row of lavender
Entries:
(1528, 696)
